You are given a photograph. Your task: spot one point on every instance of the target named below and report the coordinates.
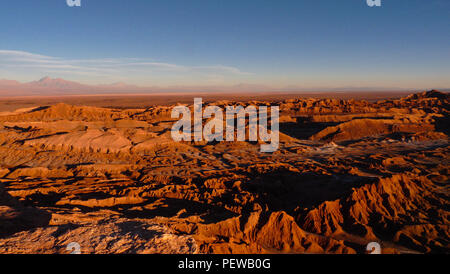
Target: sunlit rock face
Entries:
(347, 172)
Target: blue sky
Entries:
(305, 44)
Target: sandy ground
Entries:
(105, 173)
(125, 101)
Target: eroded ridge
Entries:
(346, 173)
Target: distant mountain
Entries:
(58, 86)
(54, 87)
(4, 82)
(58, 83)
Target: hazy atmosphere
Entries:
(254, 45)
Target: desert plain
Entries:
(105, 173)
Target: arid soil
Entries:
(348, 172)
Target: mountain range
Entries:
(57, 86)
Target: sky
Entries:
(320, 44)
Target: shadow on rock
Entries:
(14, 217)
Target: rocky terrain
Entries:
(348, 172)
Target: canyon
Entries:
(347, 172)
